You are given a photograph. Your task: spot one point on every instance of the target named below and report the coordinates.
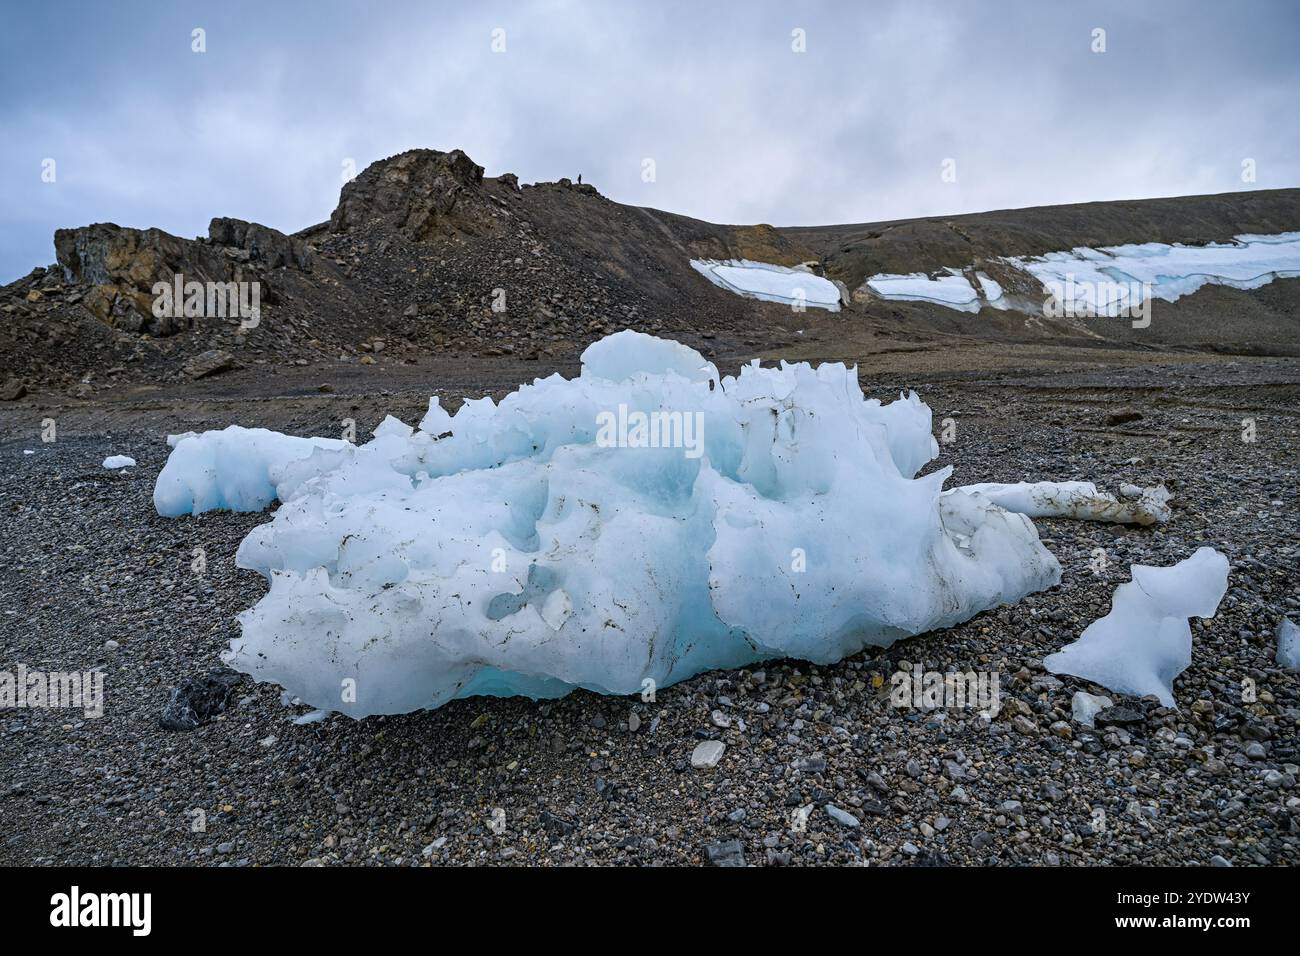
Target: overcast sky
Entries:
(741, 128)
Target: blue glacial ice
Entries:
(643, 522)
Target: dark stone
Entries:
(725, 853)
(1256, 730)
(211, 362)
(198, 699)
(1123, 416)
(13, 390)
(930, 858)
(555, 826)
(1118, 716)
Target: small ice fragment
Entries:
(118, 461)
(1145, 641)
(1084, 707)
(174, 440)
(1077, 499)
(1288, 645)
(314, 717)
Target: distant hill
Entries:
(425, 254)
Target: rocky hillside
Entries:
(425, 255)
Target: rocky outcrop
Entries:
(422, 193)
(262, 245)
(121, 265)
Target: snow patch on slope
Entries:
(760, 280)
(1110, 280)
(951, 289)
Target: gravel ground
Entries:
(91, 577)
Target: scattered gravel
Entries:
(726, 768)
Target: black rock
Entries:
(931, 858)
(873, 808)
(197, 700)
(1118, 715)
(555, 825)
(726, 853)
(1123, 416)
(1256, 730)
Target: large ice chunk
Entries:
(1145, 641)
(643, 522)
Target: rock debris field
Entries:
(782, 763)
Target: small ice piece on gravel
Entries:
(118, 461)
(1288, 644)
(1145, 641)
(1084, 706)
(314, 717)
(1077, 499)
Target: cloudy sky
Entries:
(143, 131)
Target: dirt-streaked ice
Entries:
(521, 553)
(1078, 499)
